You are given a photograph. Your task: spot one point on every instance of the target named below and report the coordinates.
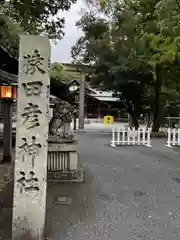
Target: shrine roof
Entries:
(7, 62)
(105, 96)
(87, 85)
(86, 68)
(9, 72)
(108, 99)
(8, 77)
(97, 100)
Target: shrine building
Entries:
(97, 103)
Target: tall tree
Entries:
(134, 49)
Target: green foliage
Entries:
(39, 15)
(137, 38)
(30, 17)
(59, 73)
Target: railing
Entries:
(58, 161)
(62, 160)
(173, 137)
(131, 137)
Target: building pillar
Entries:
(86, 107)
(7, 131)
(81, 101)
(1, 110)
(99, 111)
(74, 123)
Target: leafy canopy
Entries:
(127, 46)
(30, 17)
(58, 72)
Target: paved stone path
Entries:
(129, 193)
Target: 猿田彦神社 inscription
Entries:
(31, 115)
(32, 148)
(33, 63)
(28, 183)
(33, 88)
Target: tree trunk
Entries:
(129, 108)
(148, 123)
(133, 117)
(157, 108)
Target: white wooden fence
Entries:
(173, 137)
(131, 137)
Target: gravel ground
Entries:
(129, 193)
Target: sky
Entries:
(61, 52)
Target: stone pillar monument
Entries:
(31, 137)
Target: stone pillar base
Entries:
(63, 162)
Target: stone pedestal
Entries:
(63, 161)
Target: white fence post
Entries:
(174, 137)
(144, 136)
(149, 138)
(139, 136)
(131, 137)
(134, 137)
(113, 138)
(123, 136)
(128, 136)
(118, 136)
(169, 138)
(178, 140)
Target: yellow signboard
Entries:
(108, 119)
